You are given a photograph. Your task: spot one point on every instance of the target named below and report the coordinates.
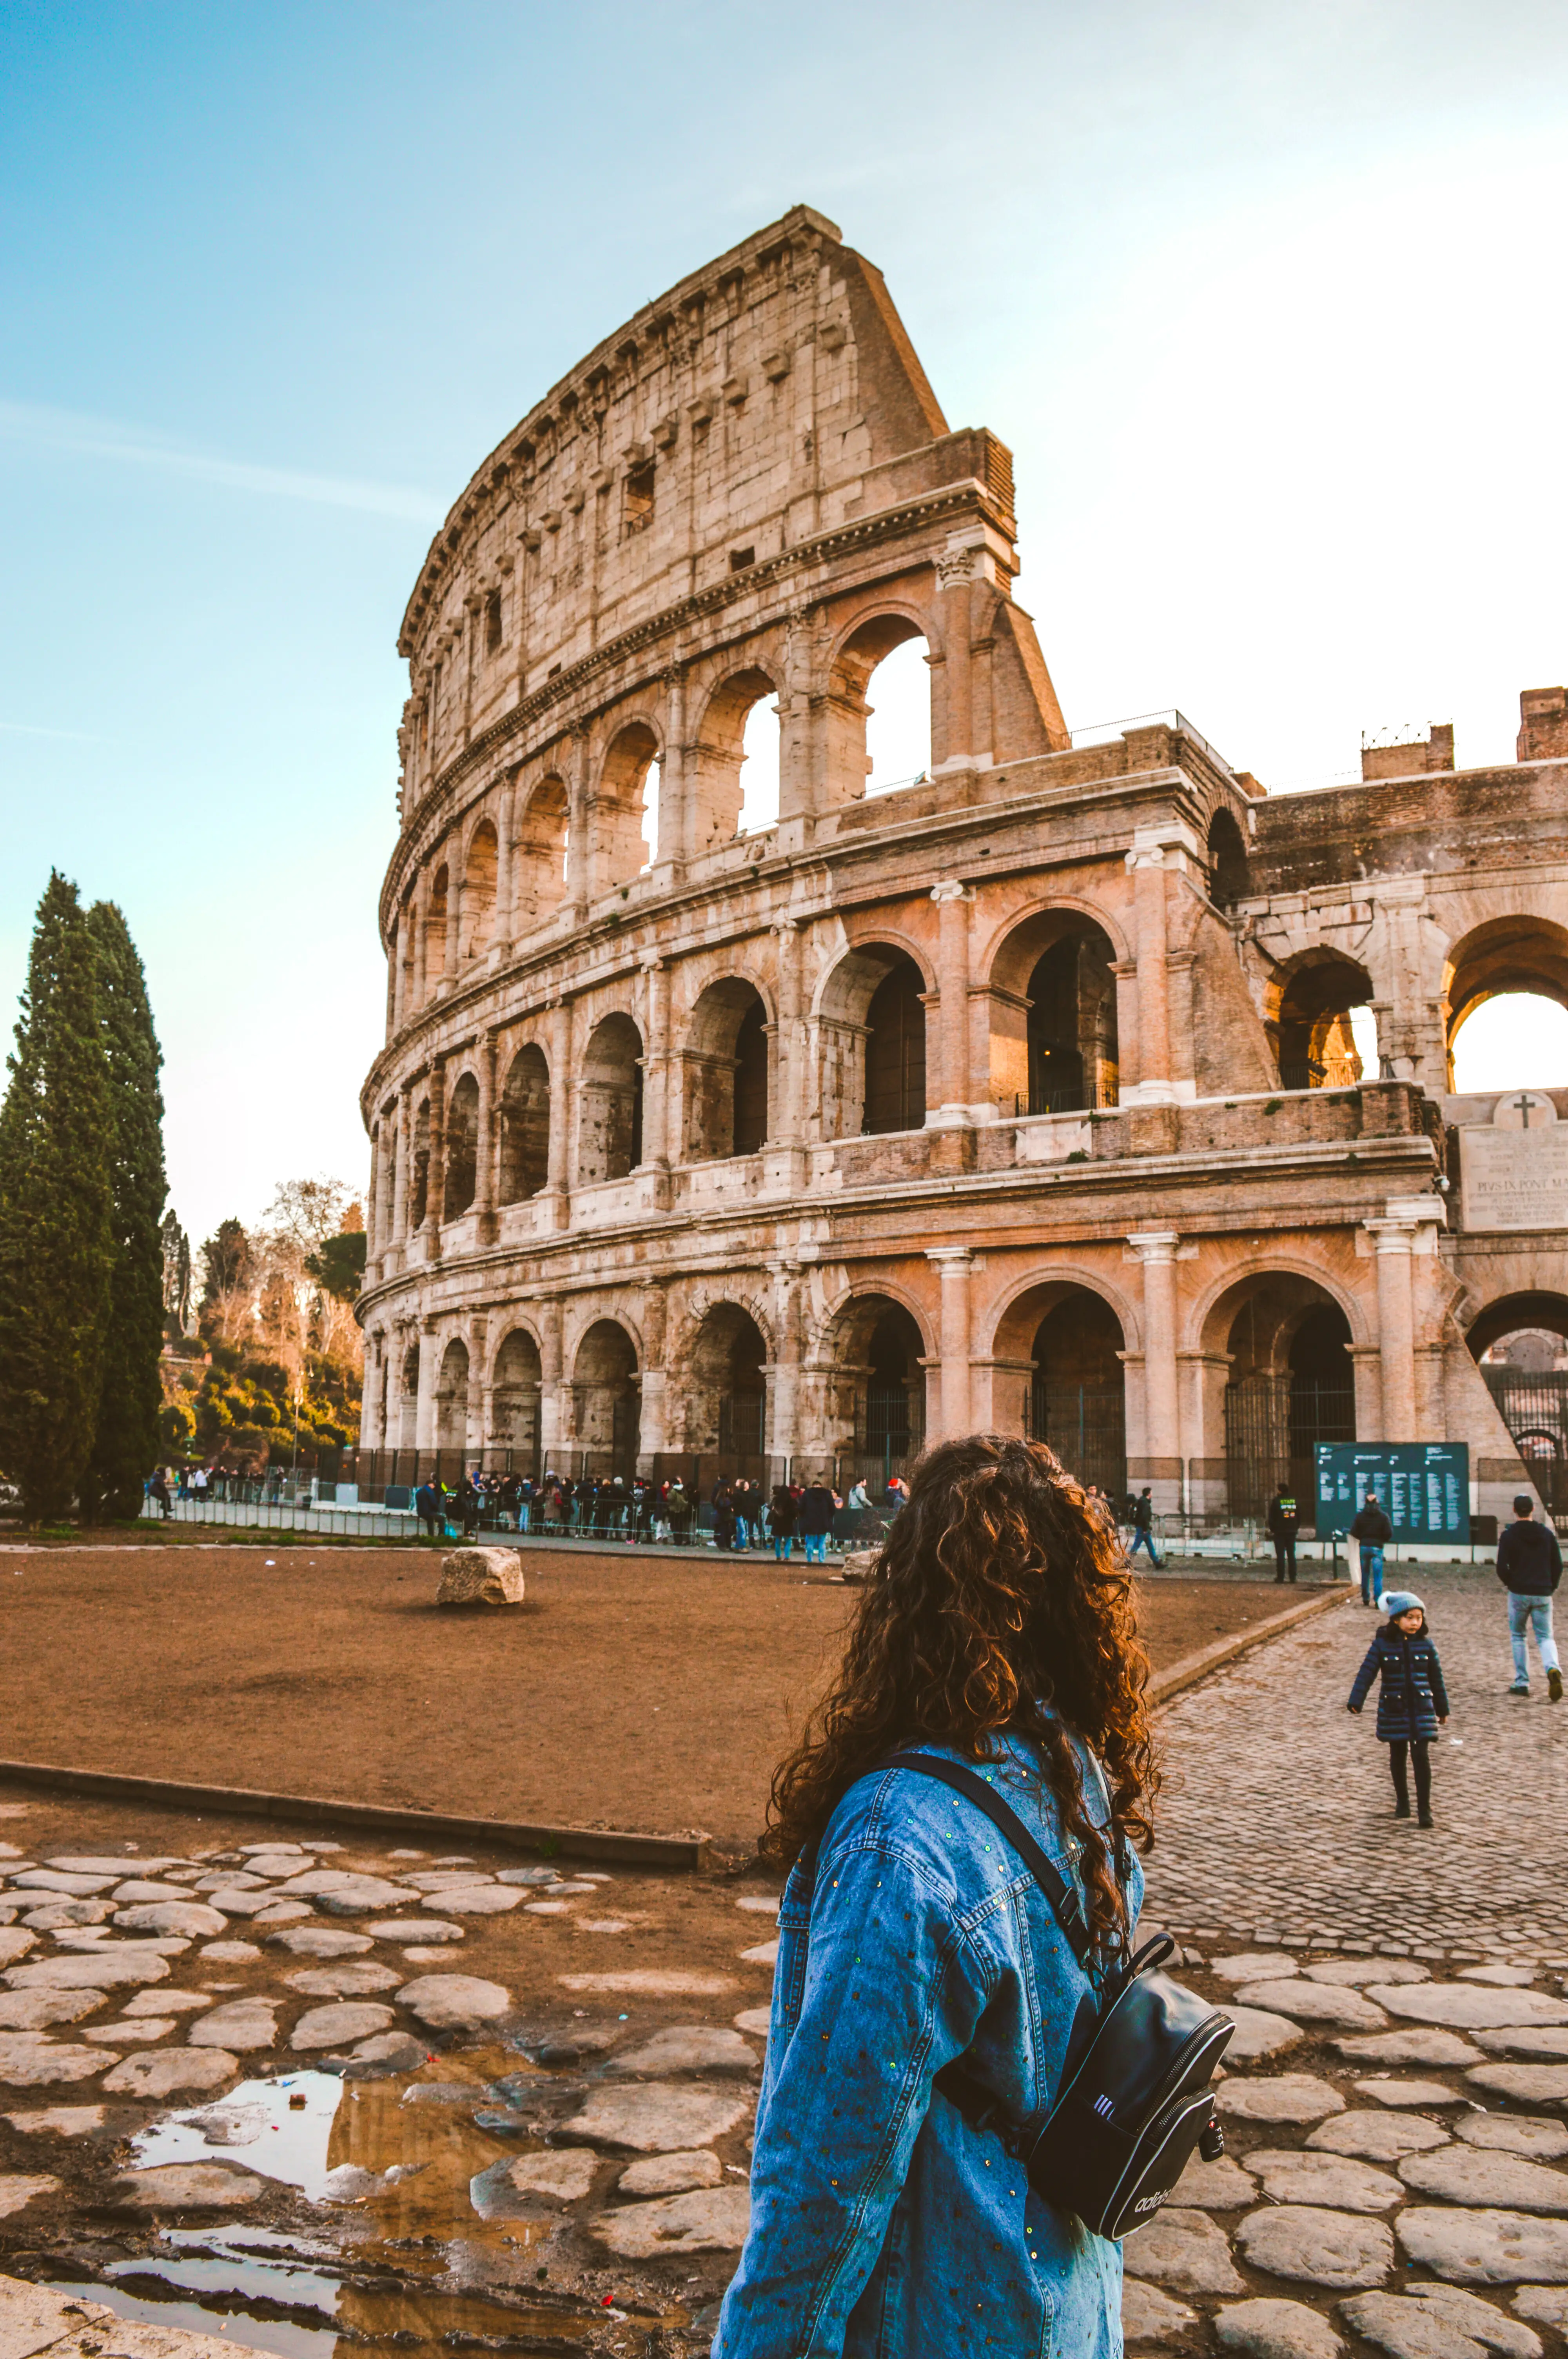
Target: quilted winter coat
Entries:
(1413, 1697)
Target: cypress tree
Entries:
(126, 1447)
(56, 1239)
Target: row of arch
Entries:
(729, 786)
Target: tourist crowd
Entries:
(737, 1516)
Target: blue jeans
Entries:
(1525, 1613)
(783, 1543)
(815, 1542)
(1371, 1573)
(1143, 1538)
(742, 1533)
(525, 1508)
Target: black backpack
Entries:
(1135, 2097)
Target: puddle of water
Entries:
(280, 2335)
(280, 2128)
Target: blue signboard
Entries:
(1423, 1488)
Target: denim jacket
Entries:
(884, 2226)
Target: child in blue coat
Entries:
(1412, 1704)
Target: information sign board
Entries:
(1423, 1488)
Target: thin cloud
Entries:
(97, 437)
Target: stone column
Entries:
(1408, 1226)
(452, 964)
(419, 948)
(784, 1377)
(1148, 865)
(578, 825)
(654, 1422)
(787, 1098)
(954, 745)
(1156, 1250)
(954, 902)
(674, 818)
(484, 1187)
(373, 1201)
(424, 1402)
(435, 1170)
(659, 1111)
(553, 1421)
(476, 1426)
(506, 868)
(399, 1229)
(563, 1094)
(953, 1264)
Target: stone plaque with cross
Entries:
(1514, 1169)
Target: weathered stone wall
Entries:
(748, 492)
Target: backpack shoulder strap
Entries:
(1065, 1903)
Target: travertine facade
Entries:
(746, 1132)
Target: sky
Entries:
(1266, 299)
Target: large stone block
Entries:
(480, 1576)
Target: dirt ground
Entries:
(650, 1693)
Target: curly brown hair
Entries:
(1000, 1600)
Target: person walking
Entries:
(1530, 1566)
(1143, 1527)
(884, 2217)
(1284, 1522)
(813, 1520)
(1412, 1702)
(1371, 1531)
(781, 1520)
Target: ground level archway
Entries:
(1285, 1383)
(605, 1402)
(1520, 1345)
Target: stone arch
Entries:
(713, 763)
(525, 1116)
(610, 1100)
(1515, 953)
(419, 1165)
(618, 851)
(1278, 1376)
(540, 848)
(1307, 1013)
(1054, 1041)
(864, 643)
(725, 1072)
(1057, 1374)
(724, 1385)
(452, 1397)
(434, 960)
(461, 1143)
(605, 1390)
(871, 1049)
(481, 875)
(1521, 1343)
(1008, 1327)
(1229, 868)
(873, 1344)
(516, 1385)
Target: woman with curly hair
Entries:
(996, 1628)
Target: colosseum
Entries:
(1026, 1094)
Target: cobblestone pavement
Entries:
(1276, 1822)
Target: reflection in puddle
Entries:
(277, 2334)
(280, 2128)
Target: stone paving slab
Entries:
(1277, 1820)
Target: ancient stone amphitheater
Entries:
(1023, 1095)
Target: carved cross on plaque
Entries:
(1524, 1103)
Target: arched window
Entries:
(733, 770)
(436, 931)
(1314, 1025)
(610, 1097)
(419, 1193)
(726, 1068)
(514, 1411)
(895, 1051)
(452, 1399)
(462, 1148)
(1228, 876)
(479, 892)
(541, 854)
(625, 811)
(1076, 1399)
(1508, 1006)
(606, 1400)
(1071, 1025)
(875, 747)
(525, 1126)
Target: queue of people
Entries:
(743, 1516)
